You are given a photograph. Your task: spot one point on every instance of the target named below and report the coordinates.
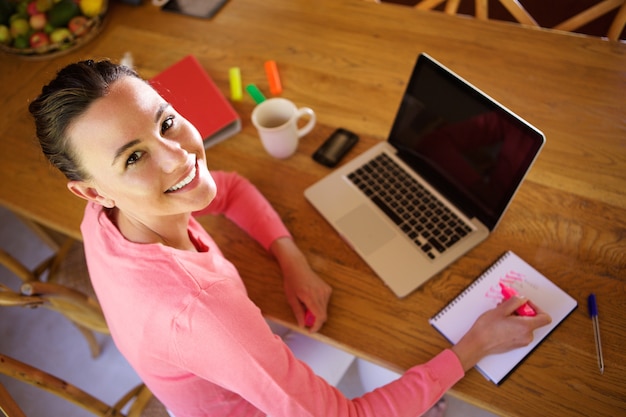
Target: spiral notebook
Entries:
(483, 294)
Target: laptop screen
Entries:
(470, 148)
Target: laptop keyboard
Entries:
(419, 214)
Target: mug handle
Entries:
(309, 126)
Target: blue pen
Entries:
(593, 313)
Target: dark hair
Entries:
(66, 97)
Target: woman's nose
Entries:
(172, 155)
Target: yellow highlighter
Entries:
(236, 92)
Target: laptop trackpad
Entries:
(365, 229)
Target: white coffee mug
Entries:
(276, 120)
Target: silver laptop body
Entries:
(456, 145)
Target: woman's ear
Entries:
(83, 190)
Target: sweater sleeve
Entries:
(249, 360)
(241, 202)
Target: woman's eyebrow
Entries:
(160, 111)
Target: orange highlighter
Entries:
(525, 309)
(273, 78)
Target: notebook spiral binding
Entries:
(470, 287)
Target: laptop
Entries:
(412, 205)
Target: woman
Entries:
(177, 310)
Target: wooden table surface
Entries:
(350, 61)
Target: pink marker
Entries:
(309, 319)
(525, 309)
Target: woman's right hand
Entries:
(499, 330)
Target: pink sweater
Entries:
(184, 322)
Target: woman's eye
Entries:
(134, 158)
(167, 124)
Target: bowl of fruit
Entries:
(47, 28)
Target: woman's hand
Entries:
(304, 289)
(499, 330)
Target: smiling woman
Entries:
(195, 338)
(134, 147)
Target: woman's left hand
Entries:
(304, 289)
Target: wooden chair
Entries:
(452, 6)
(142, 402)
(60, 283)
(522, 16)
(592, 13)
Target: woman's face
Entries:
(141, 155)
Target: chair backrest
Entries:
(73, 304)
(10, 298)
(594, 12)
(143, 403)
(67, 289)
(78, 306)
(17, 267)
(521, 15)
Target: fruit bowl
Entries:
(54, 28)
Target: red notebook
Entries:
(192, 92)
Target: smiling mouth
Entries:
(185, 180)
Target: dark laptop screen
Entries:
(473, 150)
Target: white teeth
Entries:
(186, 180)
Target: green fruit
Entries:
(43, 5)
(22, 7)
(62, 12)
(61, 35)
(5, 35)
(21, 42)
(19, 27)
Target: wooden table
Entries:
(350, 61)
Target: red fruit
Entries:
(31, 8)
(38, 40)
(38, 21)
(78, 25)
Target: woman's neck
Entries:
(169, 231)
